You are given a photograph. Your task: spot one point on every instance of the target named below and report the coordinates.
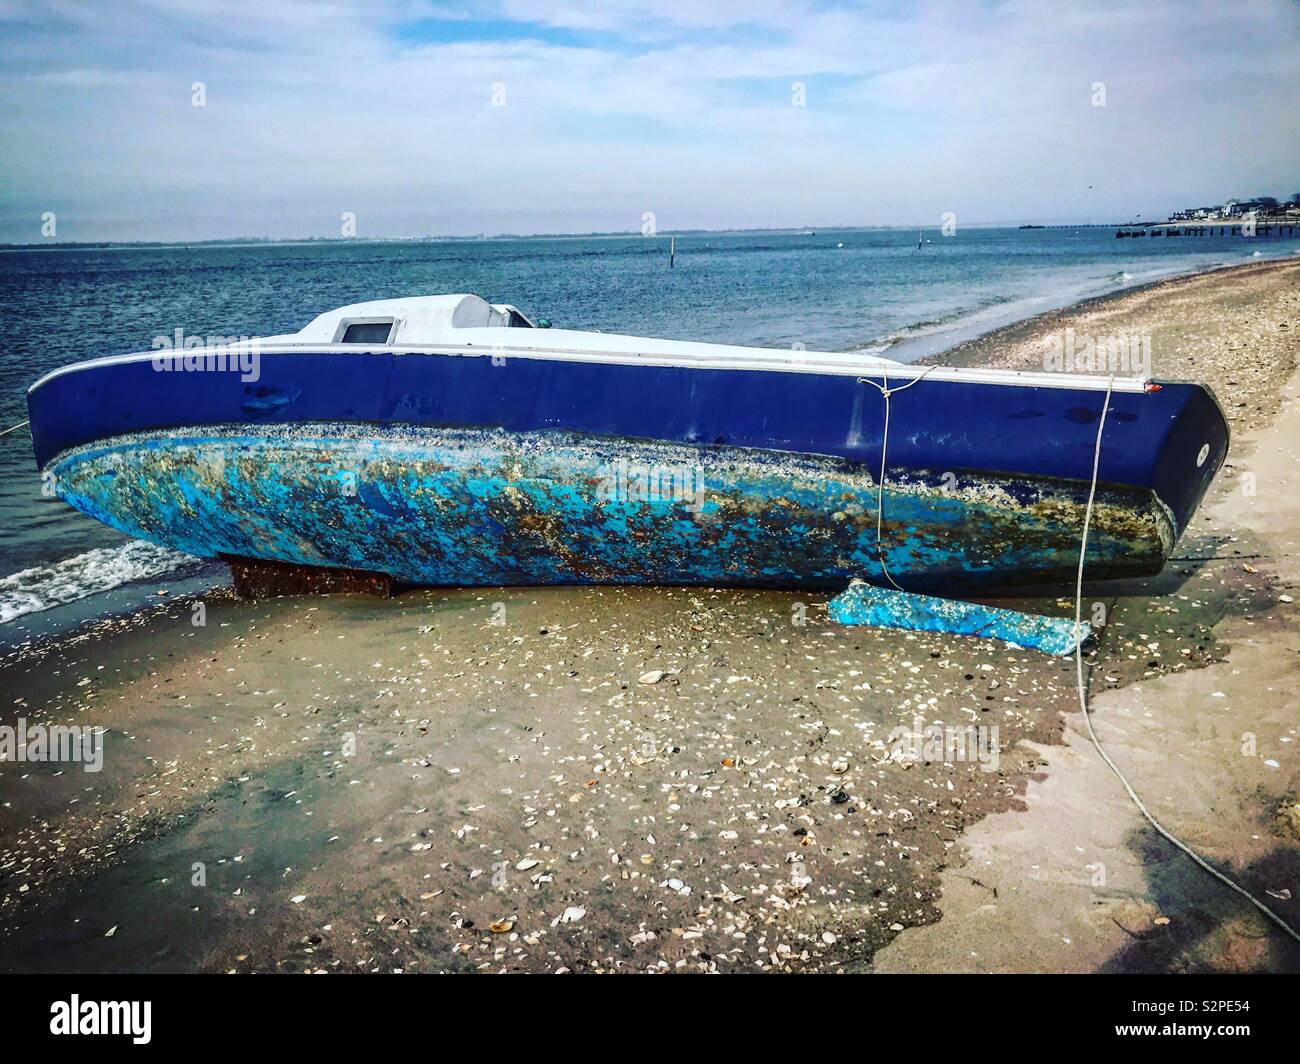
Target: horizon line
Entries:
(449, 237)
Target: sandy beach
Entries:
(607, 779)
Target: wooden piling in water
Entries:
(1278, 226)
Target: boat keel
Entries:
(256, 578)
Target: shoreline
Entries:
(521, 771)
(966, 331)
(1014, 337)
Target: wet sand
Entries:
(600, 779)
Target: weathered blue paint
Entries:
(882, 607)
(1018, 435)
(491, 507)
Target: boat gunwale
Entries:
(842, 364)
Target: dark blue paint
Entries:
(1151, 441)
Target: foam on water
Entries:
(95, 571)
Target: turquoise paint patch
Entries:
(879, 607)
(490, 508)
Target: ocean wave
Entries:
(102, 569)
(919, 329)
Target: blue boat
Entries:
(444, 440)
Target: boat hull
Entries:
(475, 468)
(488, 507)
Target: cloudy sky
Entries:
(529, 116)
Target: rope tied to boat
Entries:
(886, 392)
(14, 428)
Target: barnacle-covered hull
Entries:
(484, 507)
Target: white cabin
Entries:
(412, 322)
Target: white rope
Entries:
(1083, 698)
(15, 428)
(886, 391)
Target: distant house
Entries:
(1263, 206)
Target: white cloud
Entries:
(614, 108)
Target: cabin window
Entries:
(367, 332)
(518, 321)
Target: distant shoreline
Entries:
(258, 241)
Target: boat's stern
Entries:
(1193, 450)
